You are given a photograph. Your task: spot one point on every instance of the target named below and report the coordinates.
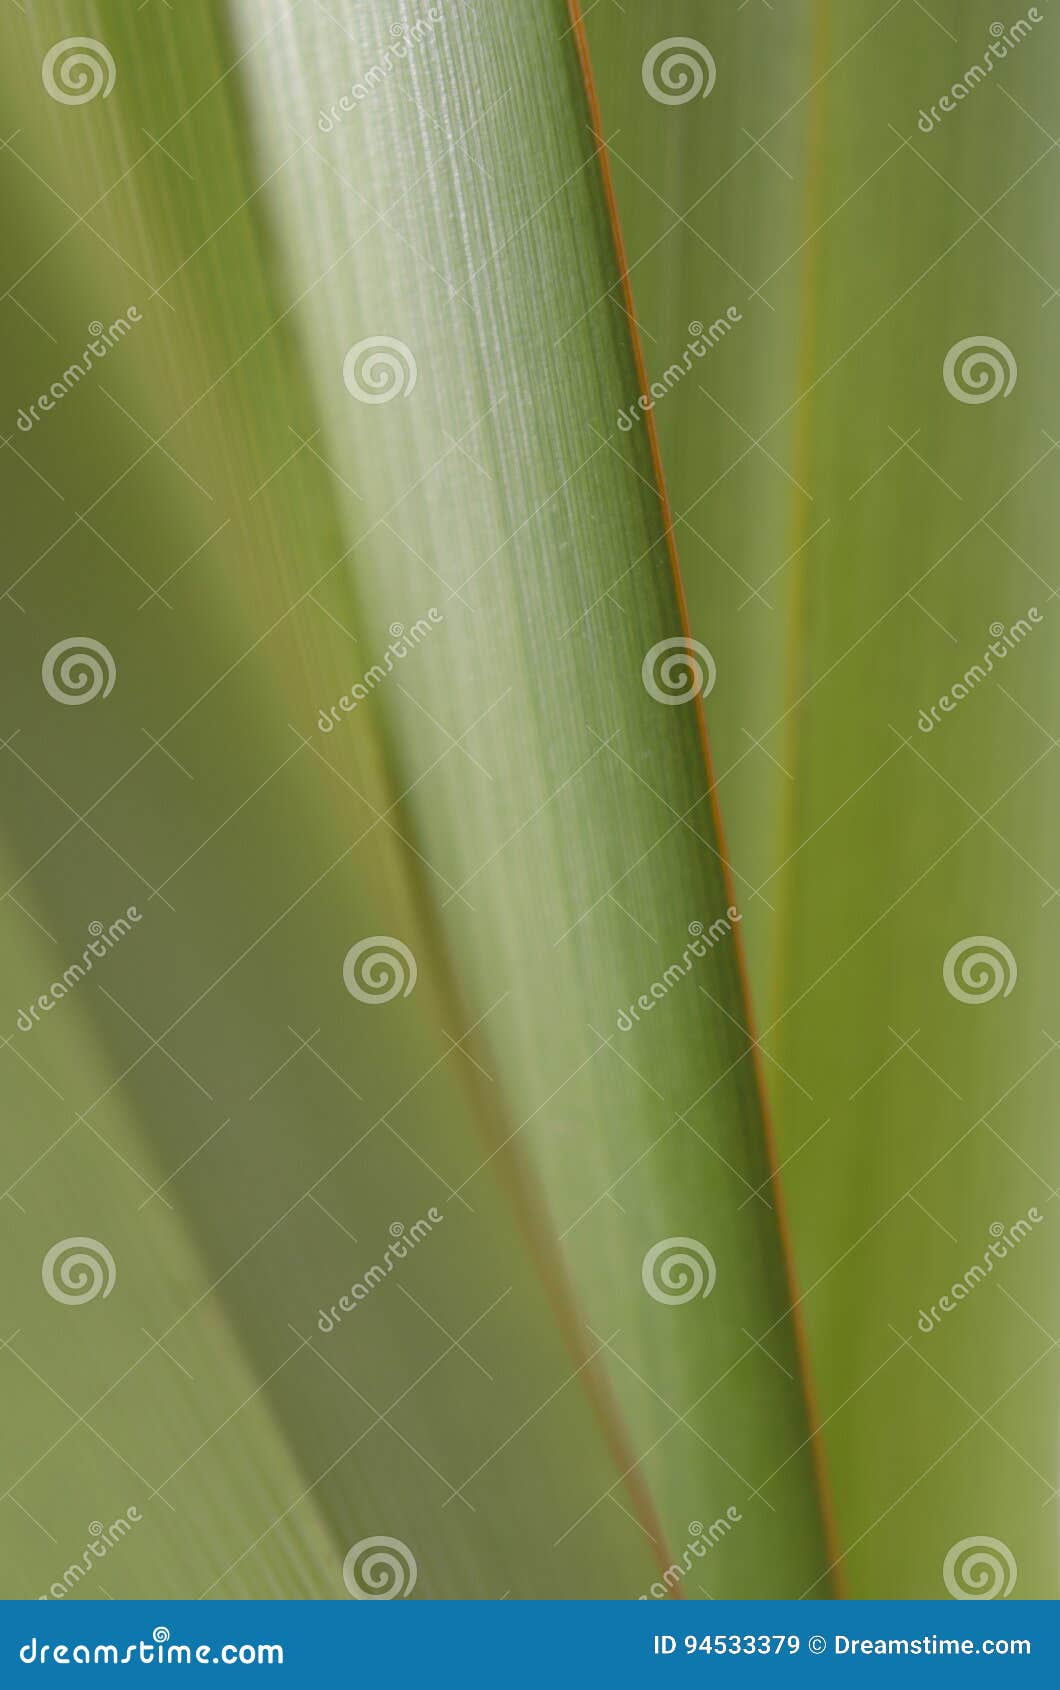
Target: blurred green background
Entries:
(510, 803)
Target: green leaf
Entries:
(851, 532)
(508, 801)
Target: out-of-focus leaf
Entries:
(508, 800)
(855, 535)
